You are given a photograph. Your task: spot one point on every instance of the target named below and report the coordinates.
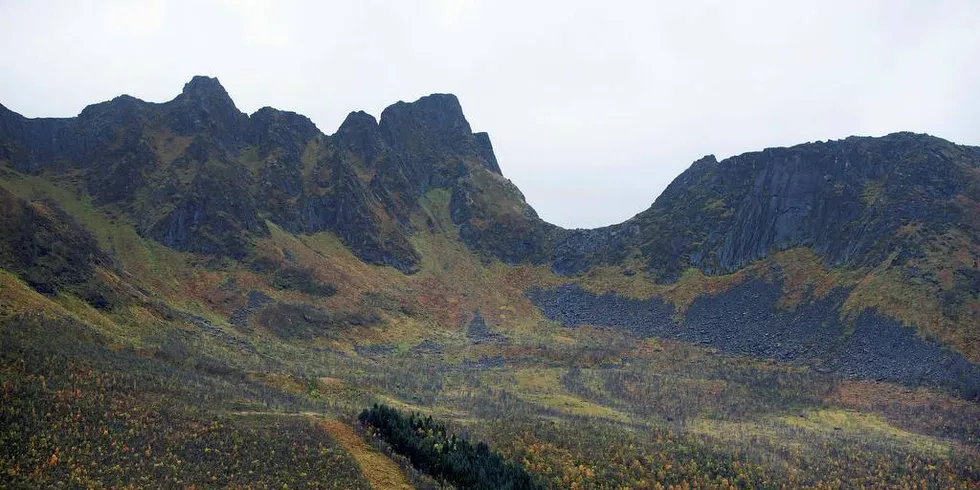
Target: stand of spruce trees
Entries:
(444, 455)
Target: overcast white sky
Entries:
(592, 107)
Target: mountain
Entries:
(392, 261)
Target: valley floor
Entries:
(600, 410)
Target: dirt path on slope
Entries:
(381, 472)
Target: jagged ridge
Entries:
(198, 175)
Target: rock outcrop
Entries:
(198, 175)
(845, 199)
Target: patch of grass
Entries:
(888, 291)
(869, 426)
(542, 387)
(915, 409)
(719, 206)
(381, 472)
(692, 284)
(16, 297)
(805, 278)
(146, 262)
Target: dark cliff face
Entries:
(205, 108)
(845, 199)
(197, 174)
(848, 200)
(25, 146)
(494, 219)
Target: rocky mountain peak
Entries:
(205, 88)
(358, 125)
(434, 142)
(486, 151)
(435, 121)
(358, 120)
(204, 106)
(706, 160)
(269, 127)
(208, 97)
(359, 134)
(439, 112)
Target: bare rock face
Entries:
(845, 199)
(205, 108)
(431, 138)
(199, 175)
(485, 150)
(217, 215)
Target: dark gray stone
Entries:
(747, 321)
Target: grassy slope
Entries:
(585, 408)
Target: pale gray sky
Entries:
(592, 107)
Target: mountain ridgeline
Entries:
(885, 218)
(201, 176)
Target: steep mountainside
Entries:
(897, 216)
(767, 313)
(200, 176)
